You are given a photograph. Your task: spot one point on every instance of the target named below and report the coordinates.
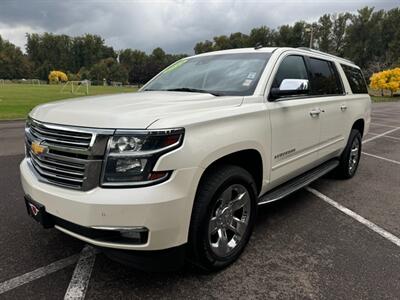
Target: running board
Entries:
(298, 182)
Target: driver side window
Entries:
(291, 67)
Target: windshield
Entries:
(223, 74)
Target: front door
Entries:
(295, 124)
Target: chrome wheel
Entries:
(229, 220)
(354, 155)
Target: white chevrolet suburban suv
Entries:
(175, 172)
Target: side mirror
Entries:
(290, 87)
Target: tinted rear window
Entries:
(355, 79)
(324, 78)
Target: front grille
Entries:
(59, 171)
(72, 157)
(60, 137)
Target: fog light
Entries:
(130, 234)
(126, 235)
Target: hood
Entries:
(130, 110)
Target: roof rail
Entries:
(323, 53)
(258, 46)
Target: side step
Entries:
(298, 182)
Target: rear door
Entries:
(295, 129)
(327, 88)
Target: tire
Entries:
(213, 244)
(350, 157)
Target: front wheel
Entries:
(223, 217)
(351, 156)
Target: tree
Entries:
(110, 70)
(324, 35)
(293, 36)
(64, 52)
(358, 37)
(134, 62)
(239, 40)
(203, 47)
(339, 26)
(13, 63)
(222, 42)
(391, 36)
(261, 35)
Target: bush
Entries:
(57, 76)
(386, 80)
(73, 77)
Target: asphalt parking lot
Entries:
(307, 246)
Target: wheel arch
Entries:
(249, 159)
(359, 124)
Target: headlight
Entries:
(132, 155)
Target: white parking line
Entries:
(386, 136)
(380, 135)
(383, 158)
(80, 279)
(38, 273)
(387, 235)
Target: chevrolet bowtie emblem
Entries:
(37, 148)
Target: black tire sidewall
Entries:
(216, 182)
(344, 163)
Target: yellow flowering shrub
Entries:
(386, 80)
(57, 76)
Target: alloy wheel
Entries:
(229, 220)
(354, 155)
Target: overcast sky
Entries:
(173, 25)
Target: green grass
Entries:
(17, 100)
(384, 99)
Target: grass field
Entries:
(16, 100)
(385, 99)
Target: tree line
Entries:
(370, 38)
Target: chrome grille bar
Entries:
(55, 169)
(55, 135)
(54, 175)
(58, 163)
(69, 136)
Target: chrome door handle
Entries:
(343, 107)
(315, 112)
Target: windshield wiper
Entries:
(184, 89)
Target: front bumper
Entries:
(164, 209)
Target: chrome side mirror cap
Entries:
(294, 84)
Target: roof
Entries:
(304, 50)
(240, 50)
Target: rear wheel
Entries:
(351, 156)
(223, 217)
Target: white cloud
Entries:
(173, 25)
(16, 34)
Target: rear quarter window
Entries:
(356, 79)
